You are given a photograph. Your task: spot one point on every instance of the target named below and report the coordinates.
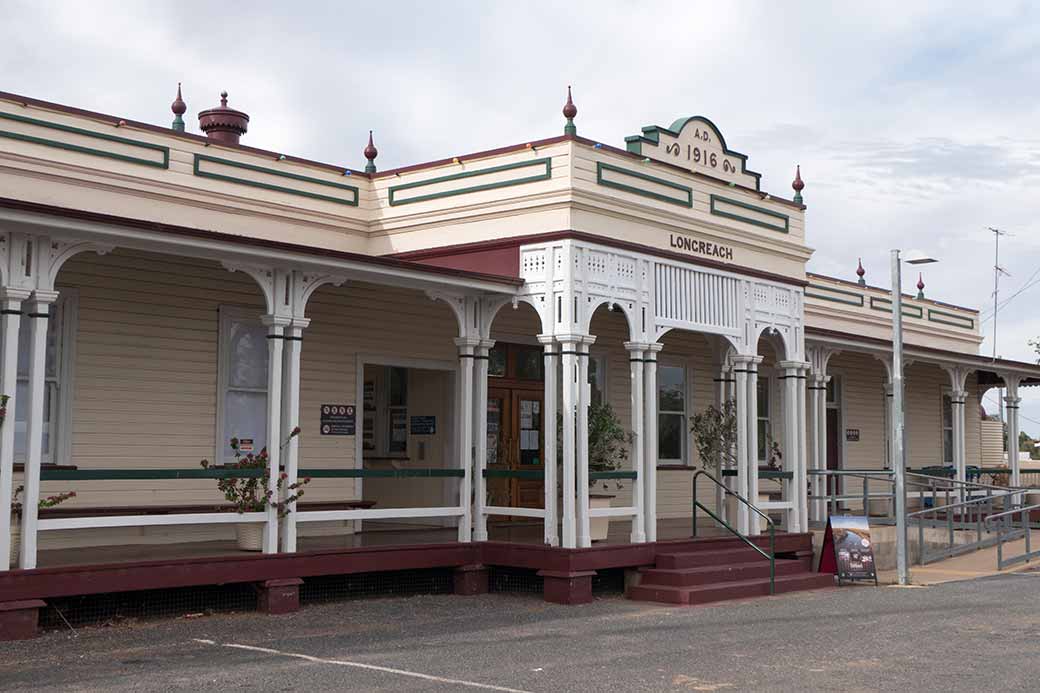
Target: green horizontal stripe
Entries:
(128, 474)
(380, 473)
(612, 475)
(514, 474)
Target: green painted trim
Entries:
(858, 302)
(380, 473)
(199, 158)
(887, 307)
(596, 476)
(165, 163)
(536, 474)
(232, 473)
(147, 474)
(601, 167)
(964, 322)
(747, 220)
(546, 175)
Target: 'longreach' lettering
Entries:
(691, 245)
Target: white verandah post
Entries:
(791, 443)
(754, 526)
(290, 419)
(802, 475)
(582, 433)
(549, 407)
(467, 346)
(1012, 401)
(568, 352)
(10, 322)
(740, 373)
(39, 313)
(635, 360)
(480, 407)
(650, 436)
(275, 344)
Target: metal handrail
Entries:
(1003, 536)
(771, 556)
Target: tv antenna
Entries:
(997, 272)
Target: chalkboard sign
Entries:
(338, 420)
(852, 435)
(848, 550)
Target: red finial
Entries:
(798, 184)
(859, 269)
(569, 109)
(179, 107)
(223, 124)
(371, 153)
(920, 282)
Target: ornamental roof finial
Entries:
(569, 111)
(860, 272)
(920, 285)
(371, 153)
(223, 124)
(179, 108)
(798, 184)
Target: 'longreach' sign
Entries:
(706, 248)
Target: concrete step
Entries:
(699, 559)
(687, 577)
(739, 589)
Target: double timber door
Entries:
(516, 447)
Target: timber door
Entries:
(833, 448)
(515, 445)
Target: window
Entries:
(765, 429)
(671, 414)
(947, 428)
(243, 383)
(60, 333)
(597, 380)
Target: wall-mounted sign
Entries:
(852, 435)
(696, 247)
(423, 425)
(848, 550)
(338, 420)
(694, 143)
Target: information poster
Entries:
(338, 420)
(848, 550)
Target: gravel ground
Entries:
(963, 636)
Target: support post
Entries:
(39, 314)
(802, 476)
(290, 419)
(754, 524)
(582, 434)
(1012, 401)
(276, 326)
(740, 372)
(467, 347)
(792, 443)
(568, 353)
(635, 362)
(10, 322)
(898, 458)
(722, 380)
(552, 355)
(480, 368)
(957, 398)
(650, 436)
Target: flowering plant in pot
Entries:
(608, 451)
(16, 516)
(254, 493)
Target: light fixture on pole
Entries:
(913, 257)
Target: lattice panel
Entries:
(697, 298)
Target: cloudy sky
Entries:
(915, 123)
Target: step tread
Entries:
(789, 566)
(737, 589)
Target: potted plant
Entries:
(16, 517)
(715, 437)
(608, 451)
(254, 493)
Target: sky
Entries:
(915, 123)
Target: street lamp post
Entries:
(898, 463)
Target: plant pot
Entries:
(250, 535)
(599, 526)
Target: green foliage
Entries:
(715, 435)
(254, 494)
(608, 440)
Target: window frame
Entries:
(61, 384)
(947, 393)
(684, 436)
(227, 313)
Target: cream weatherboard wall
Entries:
(144, 393)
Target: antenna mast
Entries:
(997, 271)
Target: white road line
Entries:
(360, 665)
